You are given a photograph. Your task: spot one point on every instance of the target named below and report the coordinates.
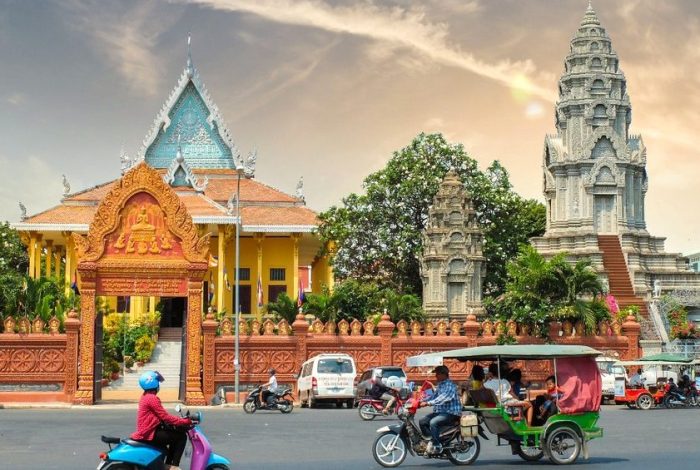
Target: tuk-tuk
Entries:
(651, 393)
(564, 435)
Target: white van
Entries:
(609, 369)
(327, 378)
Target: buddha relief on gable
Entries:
(142, 231)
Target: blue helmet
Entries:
(150, 380)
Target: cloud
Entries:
(16, 98)
(127, 39)
(395, 25)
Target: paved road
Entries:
(326, 439)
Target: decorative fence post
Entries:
(72, 325)
(301, 331)
(386, 329)
(209, 326)
(631, 329)
(471, 330)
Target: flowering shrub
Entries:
(681, 327)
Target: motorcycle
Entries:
(677, 398)
(395, 441)
(281, 400)
(369, 408)
(128, 454)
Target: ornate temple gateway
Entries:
(595, 178)
(164, 234)
(452, 264)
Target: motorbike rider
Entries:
(269, 388)
(447, 408)
(151, 418)
(380, 391)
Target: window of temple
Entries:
(455, 216)
(278, 274)
(598, 86)
(274, 291)
(122, 304)
(456, 237)
(600, 115)
(244, 274)
(595, 46)
(596, 63)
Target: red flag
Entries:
(260, 292)
(300, 295)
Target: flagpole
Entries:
(237, 308)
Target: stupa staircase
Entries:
(620, 284)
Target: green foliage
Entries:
(378, 234)
(356, 299)
(540, 290)
(283, 308)
(13, 254)
(143, 348)
(505, 338)
(403, 306)
(322, 305)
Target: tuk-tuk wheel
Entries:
(528, 454)
(645, 401)
(563, 445)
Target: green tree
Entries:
(14, 263)
(283, 308)
(377, 235)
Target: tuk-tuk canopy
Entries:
(512, 351)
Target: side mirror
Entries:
(178, 408)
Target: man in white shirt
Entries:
(501, 388)
(269, 388)
(636, 380)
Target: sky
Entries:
(328, 89)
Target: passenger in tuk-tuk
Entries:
(504, 393)
(546, 405)
(476, 381)
(637, 381)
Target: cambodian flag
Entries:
(260, 292)
(300, 296)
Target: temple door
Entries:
(605, 220)
(455, 298)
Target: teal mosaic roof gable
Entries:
(191, 121)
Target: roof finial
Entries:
(190, 68)
(590, 18)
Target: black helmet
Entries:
(272, 371)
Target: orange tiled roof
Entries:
(197, 205)
(220, 189)
(64, 215)
(266, 215)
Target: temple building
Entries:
(595, 178)
(453, 266)
(191, 148)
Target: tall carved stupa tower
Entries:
(453, 266)
(595, 178)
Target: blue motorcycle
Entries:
(128, 454)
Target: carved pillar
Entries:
(259, 237)
(72, 325)
(70, 250)
(151, 304)
(295, 265)
(194, 395)
(220, 289)
(57, 262)
(386, 329)
(31, 253)
(86, 376)
(37, 257)
(209, 353)
(49, 257)
(301, 331)
(631, 329)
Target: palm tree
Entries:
(284, 307)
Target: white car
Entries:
(609, 370)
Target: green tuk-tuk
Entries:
(564, 435)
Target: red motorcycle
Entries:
(370, 408)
